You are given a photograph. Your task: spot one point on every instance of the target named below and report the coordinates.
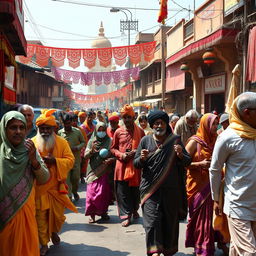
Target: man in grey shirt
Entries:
(236, 148)
(187, 125)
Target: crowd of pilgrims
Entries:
(154, 160)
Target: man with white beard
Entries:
(51, 198)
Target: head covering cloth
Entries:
(83, 114)
(127, 110)
(14, 162)
(113, 117)
(159, 114)
(46, 118)
(105, 142)
(243, 129)
(204, 136)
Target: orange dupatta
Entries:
(133, 175)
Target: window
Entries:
(189, 29)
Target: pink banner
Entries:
(91, 99)
(87, 78)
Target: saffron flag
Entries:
(163, 11)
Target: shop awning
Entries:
(152, 100)
(223, 34)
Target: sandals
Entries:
(126, 222)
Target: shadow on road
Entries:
(65, 249)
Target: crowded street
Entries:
(127, 128)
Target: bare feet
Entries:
(91, 219)
(156, 254)
(43, 250)
(126, 222)
(55, 238)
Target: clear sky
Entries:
(81, 22)
(61, 23)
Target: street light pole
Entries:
(128, 24)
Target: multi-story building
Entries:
(12, 42)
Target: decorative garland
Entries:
(90, 56)
(86, 78)
(91, 99)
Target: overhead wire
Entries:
(111, 6)
(30, 17)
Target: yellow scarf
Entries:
(242, 129)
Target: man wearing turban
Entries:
(162, 157)
(82, 117)
(51, 198)
(114, 124)
(127, 178)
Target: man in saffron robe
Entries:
(51, 198)
(127, 178)
(19, 165)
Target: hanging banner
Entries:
(87, 78)
(90, 56)
(92, 99)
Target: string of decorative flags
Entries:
(87, 78)
(104, 56)
(82, 98)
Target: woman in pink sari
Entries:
(98, 194)
(200, 233)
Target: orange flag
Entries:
(163, 11)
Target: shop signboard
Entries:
(215, 84)
(232, 5)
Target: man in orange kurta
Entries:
(51, 198)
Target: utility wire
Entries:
(111, 6)
(30, 17)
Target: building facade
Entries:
(12, 42)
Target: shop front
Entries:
(12, 43)
(214, 93)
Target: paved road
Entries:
(104, 239)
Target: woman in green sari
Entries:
(98, 193)
(19, 165)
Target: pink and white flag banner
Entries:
(87, 78)
(92, 99)
(90, 56)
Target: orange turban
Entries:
(46, 118)
(76, 112)
(82, 114)
(127, 110)
(113, 117)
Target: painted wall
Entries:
(208, 18)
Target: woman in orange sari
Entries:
(200, 233)
(19, 166)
